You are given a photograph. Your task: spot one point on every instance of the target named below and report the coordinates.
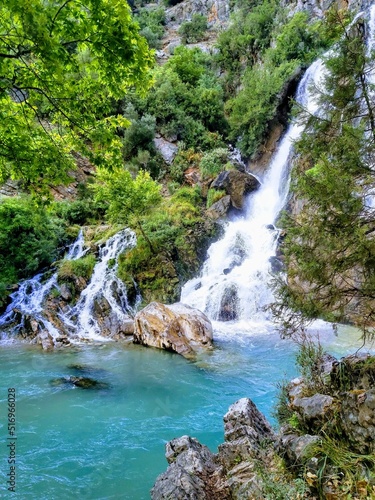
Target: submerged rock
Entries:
(82, 382)
(176, 327)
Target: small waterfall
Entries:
(78, 322)
(28, 300)
(234, 284)
(104, 285)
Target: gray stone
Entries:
(193, 473)
(313, 407)
(219, 209)
(167, 149)
(246, 433)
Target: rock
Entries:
(314, 407)
(358, 419)
(167, 149)
(46, 340)
(82, 382)
(128, 327)
(217, 11)
(193, 473)
(236, 184)
(246, 431)
(65, 293)
(277, 266)
(177, 327)
(295, 448)
(219, 209)
(229, 302)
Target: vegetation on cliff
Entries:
(329, 245)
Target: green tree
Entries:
(29, 240)
(329, 246)
(62, 64)
(128, 199)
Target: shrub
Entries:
(194, 30)
(70, 269)
(151, 22)
(29, 240)
(213, 162)
(214, 195)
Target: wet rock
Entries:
(65, 293)
(82, 382)
(277, 265)
(177, 327)
(229, 304)
(193, 473)
(237, 185)
(220, 208)
(45, 339)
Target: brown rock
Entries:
(177, 327)
(237, 185)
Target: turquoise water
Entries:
(109, 443)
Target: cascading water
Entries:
(104, 284)
(29, 298)
(77, 322)
(234, 284)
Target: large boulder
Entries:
(193, 473)
(237, 185)
(177, 327)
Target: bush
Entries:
(151, 22)
(214, 195)
(185, 158)
(29, 240)
(79, 268)
(194, 30)
(213, 162)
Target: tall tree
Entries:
(62, 64)
(329, 246)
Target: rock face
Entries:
(177, 327)
(216, 11)
(345, 398)
(236, 184)
(195, 473)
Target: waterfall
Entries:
(104, 284)
(28, 300)
(78, 322)
(234, 283)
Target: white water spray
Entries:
(104, 284)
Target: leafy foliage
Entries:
(152, 23)
(61, 66)
(194, 30)
(29, 240)
(176, 236)
(254, 107)
(83, 267)
(213, 162)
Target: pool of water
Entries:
(109, 443)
